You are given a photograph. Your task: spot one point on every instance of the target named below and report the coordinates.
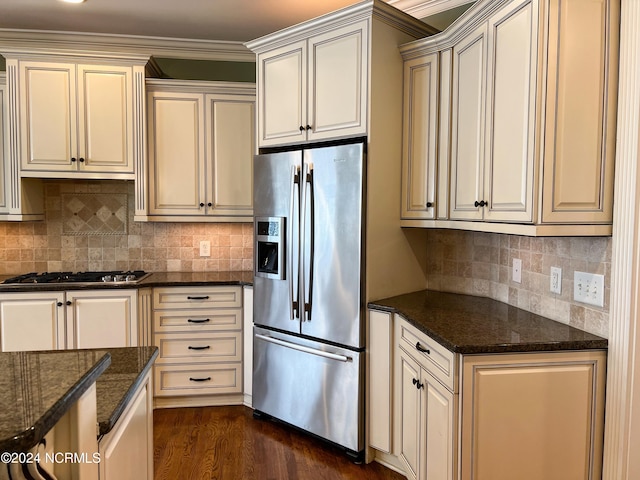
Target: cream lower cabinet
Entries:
(201, 147)
(198, 331)
(530, 142)
(126, 452)
(531, 416)
(72, 319)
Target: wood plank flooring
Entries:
(227, 443)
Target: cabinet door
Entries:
(467, 125)
(102, 318)
(4, 191)
(511, 113)
(411, 444)
(581, 105)
(176, 154)
(230, 150)
(32, 321)
(540, 415)
(282, 94)
(439, 413)
(420, 133)
(48, 116)
(337, 90)
(105, 119)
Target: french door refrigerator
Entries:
(309, 338)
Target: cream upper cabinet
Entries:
(201, 146)
(419, 140)
(532, 117)
(76, 118)
(315, 88)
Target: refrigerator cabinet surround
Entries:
(312, 385)
(308, 303)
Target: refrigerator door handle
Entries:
(294, 312)
(302, 348)
(307, 191)
(303, 238)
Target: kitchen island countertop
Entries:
(38, 388)
(467, 324)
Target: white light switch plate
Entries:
(588, 288)
(516, 273)
(555, 283)
(205, 248)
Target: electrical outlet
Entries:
(516, 273)
(588, 288)
(205, 248)
(555, 284)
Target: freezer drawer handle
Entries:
(199, 348)
(420, 348)
(201, 320)
(206, 297)
(313, 351)
(200, 379)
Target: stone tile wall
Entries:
(480, 264)
(153, 246)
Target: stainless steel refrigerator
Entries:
(309, 339)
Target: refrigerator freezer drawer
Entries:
(310, 385)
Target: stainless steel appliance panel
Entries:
(276, 195)
(314, 386)
(331, 239)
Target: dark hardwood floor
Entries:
(227, 443)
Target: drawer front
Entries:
(197, 297)
(174, 380)
(215, 347)
(167, 321)
(436, 359)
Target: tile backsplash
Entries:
(107, 242)
(480, 264)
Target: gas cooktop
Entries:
(111, 276)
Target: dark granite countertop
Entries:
(38, 388)
(116, 386)
(156, 279)
(466, 324)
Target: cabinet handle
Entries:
(308, 127)
(59, 304)
(206, 347)
(301, 128)
(201, 204)
(73, 159)
(81, 160)
(420, 348)
(480, 203)
(209, 204)
(417, 383)
(202, 320)
(206, 297)
(68, 302)
(199, 379)
(429, 204)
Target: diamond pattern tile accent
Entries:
(94, 213)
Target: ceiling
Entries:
(222, 20)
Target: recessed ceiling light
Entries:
(72, 1)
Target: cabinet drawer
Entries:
(173, 380)
(437, 360)
(165, 321)
(197, 297)
(215, 347)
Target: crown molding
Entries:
(133, 47)
(426, 8)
